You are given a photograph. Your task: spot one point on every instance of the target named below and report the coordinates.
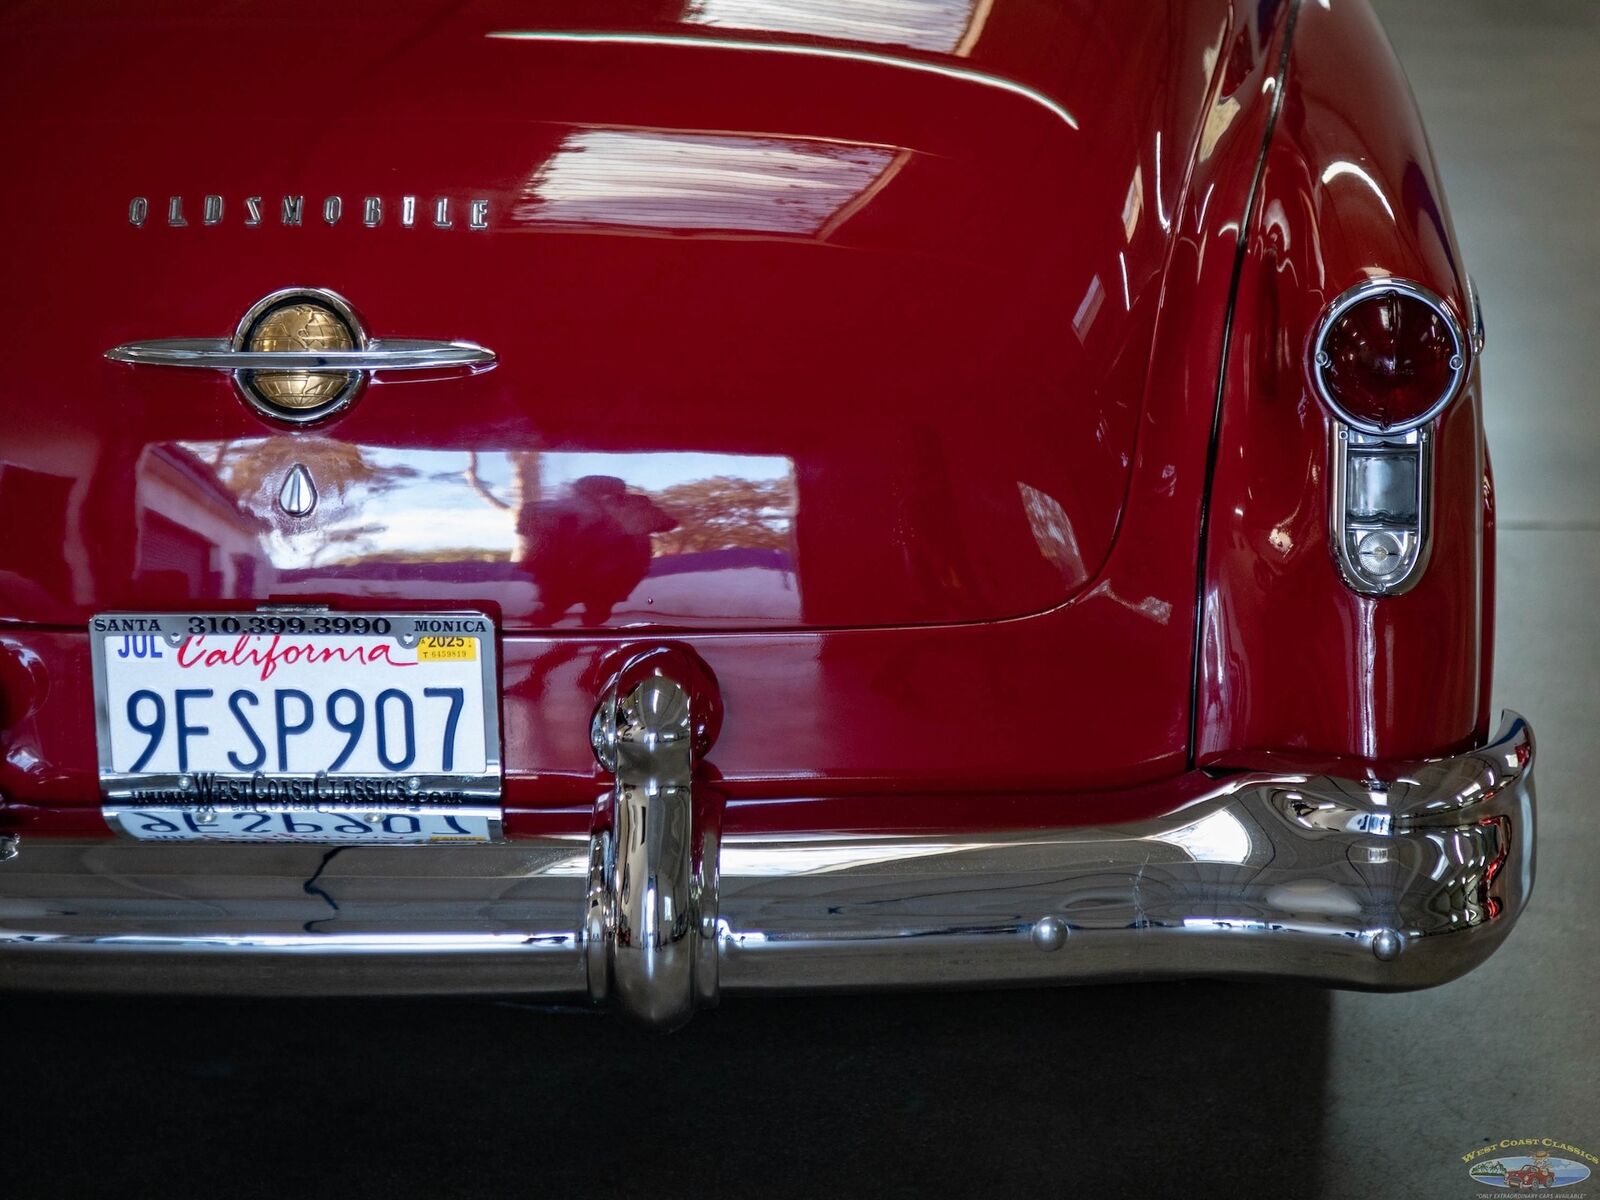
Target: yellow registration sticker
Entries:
(447, 649)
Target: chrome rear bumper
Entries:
(1267, 876)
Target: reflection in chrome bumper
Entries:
(1271, 876)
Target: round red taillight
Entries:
(1388, 356)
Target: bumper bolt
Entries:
(1049, 934)
(1386, 945)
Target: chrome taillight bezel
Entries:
(1379, 285)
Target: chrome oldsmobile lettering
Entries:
(291, 210)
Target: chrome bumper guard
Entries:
(1392, 885)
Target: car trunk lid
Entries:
(790, 334)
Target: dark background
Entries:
(982, 1094)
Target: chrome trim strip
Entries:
(1367, 288)
(218, 354)
(1475, 319)
(965, 74)
(1385, 885)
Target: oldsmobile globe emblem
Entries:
(307, 322)
(301, 355)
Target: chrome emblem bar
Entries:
(218, 354)
(302, 354)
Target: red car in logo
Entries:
(1534, 1175)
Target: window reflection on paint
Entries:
(457, 505)
(942, 26)
(191, 523)
(650, 179)
(586, 528)
(1052, 532)
(1220, 115)
(1088, 308)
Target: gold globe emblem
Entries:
(300, 327)
(299, 321)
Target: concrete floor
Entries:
(1131, 1091)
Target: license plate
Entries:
(299, 725)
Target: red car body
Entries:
(1532, 1175)
(958, 372)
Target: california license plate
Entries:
(298, 725)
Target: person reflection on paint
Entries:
(589, 546)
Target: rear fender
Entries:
(1291, 659)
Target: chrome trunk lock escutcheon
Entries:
(650, 925)
(298, 496)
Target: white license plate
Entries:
(298, 725)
